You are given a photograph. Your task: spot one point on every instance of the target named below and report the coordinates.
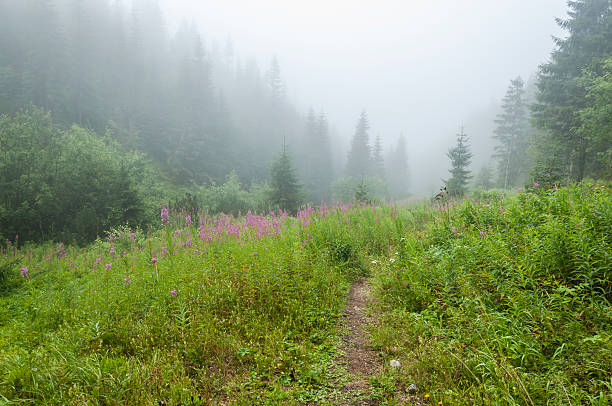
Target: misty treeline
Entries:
(106, 115)
(560, 130)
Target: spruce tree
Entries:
(399, 175)
(378, 162)
(359, 161)
(285, 192)
(511, 134)
(461, 158)
(564, 151)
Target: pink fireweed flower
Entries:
(173, 292)
(24, 272)
(188, 220)
(108, 267)
(165, 219)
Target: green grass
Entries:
(254, 317)
(504, 301)
(501, 301)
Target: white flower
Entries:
(396, 253)
(392, 260)
(402, 239)
(374, 262)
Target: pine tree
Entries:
(511, 135)
(285, 191)
(359, 161)
(484, 178)
(562, 95)
(275, 82)
(378, 161)
(461, 158)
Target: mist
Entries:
(421, 69)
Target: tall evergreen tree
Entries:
(399, 176)
(285, 191)
(512, 136)
(561, 95)
(359, 160)
(461, 158)
(378, 162)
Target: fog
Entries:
(418, 68)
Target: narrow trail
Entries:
(359, 360)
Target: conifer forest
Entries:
(305, 203)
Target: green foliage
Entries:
(506, 304)
(69, 185)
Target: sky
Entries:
(417, 68)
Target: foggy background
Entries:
(417, 68)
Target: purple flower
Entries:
(98, 260)
(520, 190)
(24, 272)
(72, 266)
(164, 216)
(127, 280)
(108, 267)
(154, 260)
(112, 250)
(173, 292)
(536, 185)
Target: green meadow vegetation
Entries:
(491, 300)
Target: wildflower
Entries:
(154, 260)
(440, 402)
(427, 396)
(108, 267)
(173, 292)
(536, 185)
(72, 266)
(164, 216)
(127, 280)
(402, 239)
(112, 250)
(520, 190)
(98, 260)
(24, 272)
(374, 262)
(392, 260)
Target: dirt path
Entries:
(358, 359)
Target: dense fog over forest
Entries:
(418, 68)
(318, 202)
(237, 106)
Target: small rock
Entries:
(412, 388)
(395, 363)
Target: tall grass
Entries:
(220, 310)
(505, 301)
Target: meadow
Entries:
(492, 300)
